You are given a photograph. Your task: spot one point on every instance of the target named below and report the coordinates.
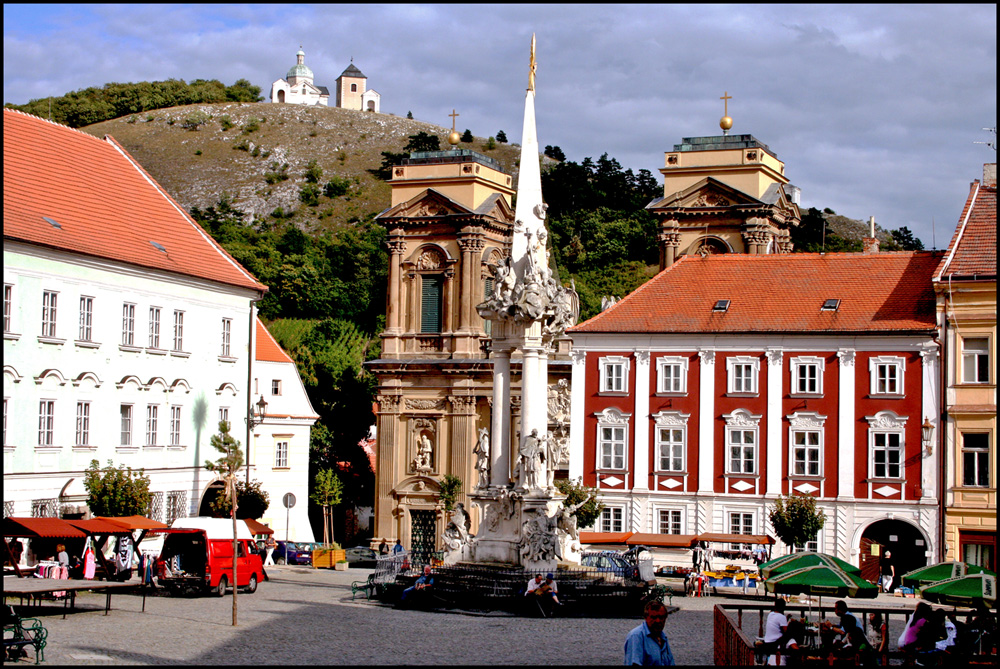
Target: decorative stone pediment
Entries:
(887, 420)
(707, 194)
(742, 418)
(803, 420)
(612, 416)
(670, 418)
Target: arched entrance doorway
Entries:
(907, 543)
(281, 96)
(213, 491)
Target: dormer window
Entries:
(830, 305)
(721, 305)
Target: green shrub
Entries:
(309, 195)
(253, 125)
(313, 172)
(198, 152)
(242, 146)
(131, 119)
(195, 120)
(226, 123)
(336, 187)
(276, 174)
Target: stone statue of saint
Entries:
(551, 459)
(422, 463)
(532, 456)
(482, 453)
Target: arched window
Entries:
(354, 88)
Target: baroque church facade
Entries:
(450, 226)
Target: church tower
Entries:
(724, 194)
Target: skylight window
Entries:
(54, 223)
(830, 305)
(158, 246)
(721, 305)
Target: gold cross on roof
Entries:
(726, 97)
(453, 114)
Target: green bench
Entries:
(20, 632)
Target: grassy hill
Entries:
(242, 146)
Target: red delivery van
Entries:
(197, 555)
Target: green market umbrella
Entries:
(795, 561)
(963, 591)
(822, 581)
(940, 572)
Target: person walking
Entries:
(887, 569)
(383, 548)
(269, 545)
(398, 548)
(647, 645)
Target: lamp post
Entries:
(927, 433)
(258, 412)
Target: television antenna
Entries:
(993, 143)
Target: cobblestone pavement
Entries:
(306, 616)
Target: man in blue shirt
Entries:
(398, 548)
(647, 645)
(422, 583)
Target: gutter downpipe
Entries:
(943, 436)
(250, 359)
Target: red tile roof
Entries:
(880, 292)
(973, 248)
(267, 348)
(106, 204)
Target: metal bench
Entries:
(20, 632)
(368, 587)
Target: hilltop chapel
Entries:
(298, 88)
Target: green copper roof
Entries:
(301, 71)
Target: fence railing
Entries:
(733, 646)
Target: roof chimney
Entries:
(990, 175)
(870, 243)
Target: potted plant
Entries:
(328, 556)
(340, 565)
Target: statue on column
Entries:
(530, 459)
(482, 453)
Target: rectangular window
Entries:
(275, 386)
(176, 505)
(740, 523)
(887, 455)
(49, 299)
(976, 459)
(886, 375)
(612, 519)
(742, 450)
(281, 454)
(670, 449)
(223, 414)
(430, 303)
(672, 375)
(614, 374)
(8, 306)
(83, 423)
(612, 447)
(227, 326)
(807, 376)
(128, 324)
(805, 452)
(86, 330)
(126, 424)
(976, 360)
(742, 374)
(154, 327)
(178, 330)
(175, 426)
(151, 416)
(46, 422)
(670, 521)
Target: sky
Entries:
(874, 109)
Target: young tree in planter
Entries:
(796, 520)
(116, 491)
(327, 492)
(451, 488)
(226, 468)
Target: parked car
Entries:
(610, 561)
(296, 553)
(670, 570)
(197, 554)
(361, 556)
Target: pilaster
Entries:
(775, 360)
(640, 466)
(463, 432)
(387, 421)
(576, 411)
(845, 427)
(706, 421)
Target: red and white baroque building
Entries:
(726, 381)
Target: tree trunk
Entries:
(234, 558)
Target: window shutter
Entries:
(430, 305)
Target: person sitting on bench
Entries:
(423, 584)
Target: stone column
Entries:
(670, 240)
(387, 419)
(463, 437)
(500, 424)
(447, 304)
(471, 246)
(396, 246)
(534, 395)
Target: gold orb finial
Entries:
(454, 138)
(725, 123)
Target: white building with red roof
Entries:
(126, 326)
(279, 453)
(728, 380)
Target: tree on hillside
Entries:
(501, 136)
(555, 152)
(116, 491)
(409, 115)
(796, 520)
(906, 240)
(422, 142)
(467, 136)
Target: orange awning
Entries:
(721, 537)
(257, 527)
(604, 537)
(135, 522)
(661, 540)
(54, 528)
(98, 526)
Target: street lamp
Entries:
(927, 433)
(258, 412)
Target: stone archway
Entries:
(907, 542)
(211, 492)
